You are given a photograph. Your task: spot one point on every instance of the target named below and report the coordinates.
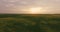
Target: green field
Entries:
(29, 23)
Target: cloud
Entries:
(10, 0)
(10, 5)
(48, 5)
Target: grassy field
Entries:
(29, 23)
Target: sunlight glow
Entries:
(35, 10)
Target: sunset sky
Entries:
(30, 6)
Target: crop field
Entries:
(29, 23)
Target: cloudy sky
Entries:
(24, 6)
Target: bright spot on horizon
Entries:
(35, 10)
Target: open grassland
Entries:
(29, 23)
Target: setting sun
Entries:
(35, 10)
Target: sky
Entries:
(24, 6)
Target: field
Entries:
(29, 23)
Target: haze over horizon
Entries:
(28, 6)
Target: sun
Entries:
(35, 10)
(32, 10)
